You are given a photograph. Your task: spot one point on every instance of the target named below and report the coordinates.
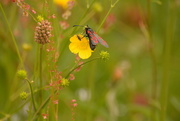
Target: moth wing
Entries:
(100, 40)
(92, 37)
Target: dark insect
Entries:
(94, 39)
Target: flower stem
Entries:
(80, 66)
(13, 38)
(32, 94)
(40, 73)
(167, 56)
(154, 62)
(112, 6)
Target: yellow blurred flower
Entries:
(63, 3)
(80, 45)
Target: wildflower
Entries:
(64, 24)
(24, 6)
(40, 18)
(80, 45)
(55, 101)
(71, 77)
(44, 115)
(66, 14)
(64, 82)
(64, 3)
(26, 46)
(23, 95)
(33, 11)
(97, 7)
(21, 74)
(43, 32)
(73, 100)
(75, 105)
(104, 55)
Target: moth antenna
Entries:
(78, 25)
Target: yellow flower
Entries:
(80, 45)
(62, 3)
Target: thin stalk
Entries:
(13, 38)
(166, 58)
(80, 66)
(154, 62)
(32, 94)
(112, 6)
(40, 73)
(48, 98)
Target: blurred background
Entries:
(141, 75)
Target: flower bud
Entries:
(21, 74)
(64, 82)
(104, 55)
(23, 95)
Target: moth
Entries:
(93, 37)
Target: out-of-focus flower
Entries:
(44, 116)
(24, 6)
(55, 101)
(66, 14)
(134, 16)
(97, 7)
(21, 74)
(33, 11)
(43, 32)
(75, 105)
(71, 77)
(64, 24)
(73, 100)
(26, 46)
(80, 45)
(140, 99)
(109, 21)
(65, 4)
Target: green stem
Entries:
(48, 98)
(41, 107)
(13, 38)
(167, 56)
(80, 66)
(154, 64)
(40, 73)
(112, 6)
(32, 94)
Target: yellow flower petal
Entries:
(62, 3)
(80, 45)
(73, 48)
(85, 54)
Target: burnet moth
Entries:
(94, 39)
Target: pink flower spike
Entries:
(75, 105)
(44, 116)
(53, 16)
(71, 77)
(55, 101)
(33, 11)
(73, 100)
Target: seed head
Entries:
(104, 55)
(43, 32)
(65, 82)
(22, 74)
(23, 95)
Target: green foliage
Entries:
(138, 82)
